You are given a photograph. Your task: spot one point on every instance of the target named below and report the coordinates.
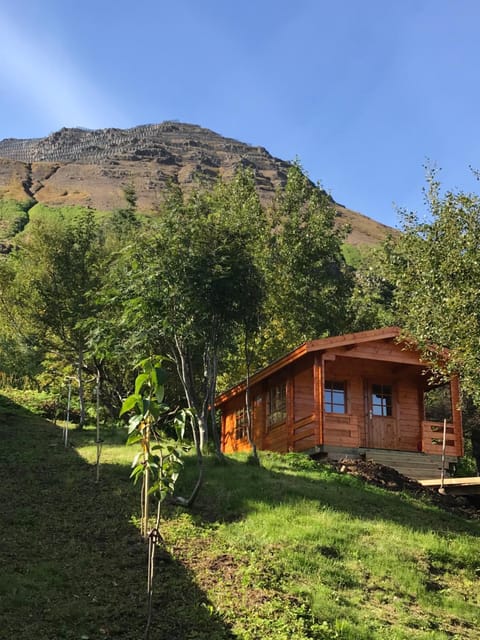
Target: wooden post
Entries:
(444, 444)
(99, 442)
(318, 381)
(290, 413)
(261, 401)
(223, 422)
(456, 415)
(65, 431)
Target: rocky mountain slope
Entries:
(91, 167)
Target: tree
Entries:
(124, 220)
(308, 280)
(435, 268)
(372, 300)
(55, 275)
(200, 283)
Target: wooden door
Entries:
(381, 422)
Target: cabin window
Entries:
(241, 424)
(277, 405)
(382, 400)
(335, 397)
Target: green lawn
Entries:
(287, 551)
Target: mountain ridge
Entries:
(91, 167)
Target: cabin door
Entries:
(381, 429)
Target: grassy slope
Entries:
(289, 550)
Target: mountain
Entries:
(91, 167)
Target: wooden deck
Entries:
(455, 486)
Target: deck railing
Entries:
(432, 438)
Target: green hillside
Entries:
(288, 550)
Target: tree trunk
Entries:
(251, 439)
(184, 370)
(212, 387)
(81, 389)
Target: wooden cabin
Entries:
(345, 395)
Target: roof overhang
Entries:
(320, 345)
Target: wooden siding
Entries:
(229, 443)
(303, 389)
(346, 430)
(357, 428)
(276, 439)
(342, 430)
(304, 434)
(303, 428)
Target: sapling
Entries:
(159, 460)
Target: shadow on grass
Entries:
(73, 565)
(232, 490)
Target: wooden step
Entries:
(412, 464)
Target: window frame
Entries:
(383, 407)
(276, 413)
(241, 423)
(328, 396)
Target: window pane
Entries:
(382, 400)
(241, 424)
(277, 409)
(337, 409)
(335, 397)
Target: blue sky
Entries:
(363, 92)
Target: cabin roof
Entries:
(322, 344)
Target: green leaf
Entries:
(161, 375)
(129, 403)
(145, 364)
(134, 437)
(136, 459)
(137, 472)
(140, 380)
(160, 394)
(133, 423)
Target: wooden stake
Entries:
(99, 442)
(444, 444)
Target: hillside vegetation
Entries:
(288, 550)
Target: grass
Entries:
(13, 217)
(288, 550)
